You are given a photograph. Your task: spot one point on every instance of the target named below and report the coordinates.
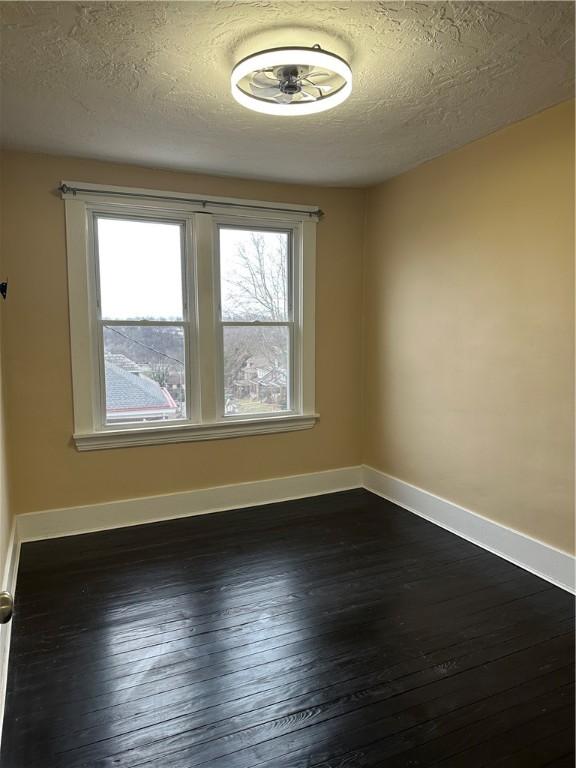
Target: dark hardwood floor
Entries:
(338, 631)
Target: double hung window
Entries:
(189, 319)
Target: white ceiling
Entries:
(148, 83)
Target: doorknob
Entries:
(6, 607)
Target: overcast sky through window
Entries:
(140, 267)
(140, 270)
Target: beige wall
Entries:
(467, 335)
(469, 327)
(46, 470)
(5, 516)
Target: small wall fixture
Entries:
(291, 81)
(6, 607)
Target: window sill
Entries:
(123, 438)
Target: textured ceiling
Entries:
(148, 83)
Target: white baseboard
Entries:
(535, 556)
(8, 584)
(52, 523)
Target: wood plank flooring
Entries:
(337, 631)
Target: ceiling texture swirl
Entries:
(149, 83)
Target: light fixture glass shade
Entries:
(293, 81)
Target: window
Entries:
(142, 328)
(189, 319)
(256, 311)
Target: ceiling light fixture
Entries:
(291, 81)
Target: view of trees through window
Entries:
(143, 328)
(254, 286)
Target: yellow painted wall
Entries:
(46, 470)
(5, 515)
(469, 297)
(465, 326)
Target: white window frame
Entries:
(200, 218)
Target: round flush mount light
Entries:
(291, 81)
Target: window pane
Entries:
(145, 373)
(254, 274)
(256, 372)
(140, 270)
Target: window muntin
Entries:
(256, 280)
(142, 328)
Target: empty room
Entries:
(287, 384)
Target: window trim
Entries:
(200, 269)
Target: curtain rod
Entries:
(65, 189)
